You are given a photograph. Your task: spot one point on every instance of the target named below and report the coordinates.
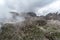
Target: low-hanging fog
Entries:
(6, 6)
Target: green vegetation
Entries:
(30, 31)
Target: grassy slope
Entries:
(30, 31)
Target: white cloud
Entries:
(53, 7)
(20, 5)
(26, 5)
(2, 2)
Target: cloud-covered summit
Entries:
(21, 6)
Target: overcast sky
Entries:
(52, 7)
(39, 6)
(26, 5)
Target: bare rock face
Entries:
(31, 14)
(54, 16)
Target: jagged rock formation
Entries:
(54, 16)
(31, 14)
